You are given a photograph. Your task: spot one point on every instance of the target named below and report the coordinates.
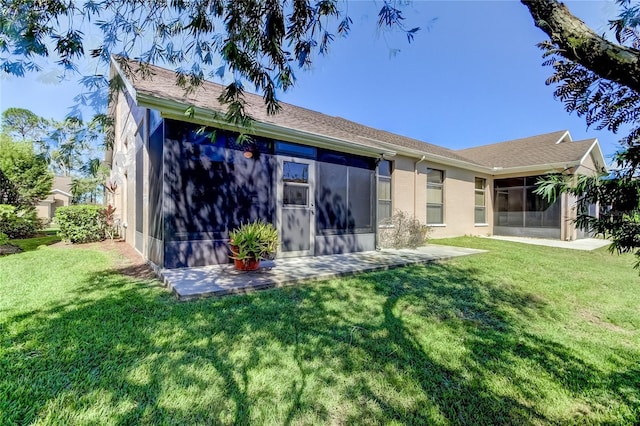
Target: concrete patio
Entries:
(220, 280)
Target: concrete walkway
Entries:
(219, 280)
(582, 244)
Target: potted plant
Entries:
(252, 242)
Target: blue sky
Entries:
(474, 77)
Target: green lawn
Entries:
(518, 335)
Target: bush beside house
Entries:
(85, 223)
(402, 231)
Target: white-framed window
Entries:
(435, 197)
(385, 205)
(480, 202)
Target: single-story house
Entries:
(327, 183)
(60, 196)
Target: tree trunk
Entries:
(580, 44)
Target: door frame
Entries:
(280, 207)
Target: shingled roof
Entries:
(162, 85)
(550, 148)
(537, 150)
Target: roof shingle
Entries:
(535, 150)
(531, 151)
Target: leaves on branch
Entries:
(605, 104)
(251, 40)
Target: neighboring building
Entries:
(325, 182)
(60, 196)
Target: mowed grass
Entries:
(518, 335)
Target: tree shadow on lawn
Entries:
(416, 345)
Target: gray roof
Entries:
(536, 150)
(162, 85)
(550, 148)
(62, 183)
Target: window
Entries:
(384, 193)
(435, 197)
(344, 199)
(296, 184)
(517, 205)
(480, 201)
(295, 150)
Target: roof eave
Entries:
(566, 133)
(440, 159)
(599, 153)
(59, 191)
(175, 110)
(539, 168)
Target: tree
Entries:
(8, 191)
(89, 187)
(254, 40)
(26, 171)
(23, 123)
(600, 80)
(261, 41)
(71, 140)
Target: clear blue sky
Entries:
(474, 77)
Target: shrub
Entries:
(82, 223)
(18, 222)
(402, 231)
(255, 240)
(4, 239)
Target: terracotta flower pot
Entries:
(246, 264)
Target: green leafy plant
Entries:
(18, 222)
(82, 223)
(4, 239)
(253, 241)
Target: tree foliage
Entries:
(26, 171)
(599, 80)
(8, 191)
(259, 41)
(24, 124)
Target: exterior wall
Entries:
(409, 185)
(588, 167)
(43, 210)
(46, 209)
(129, 136)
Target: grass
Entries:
(44, 239)
(519, 335)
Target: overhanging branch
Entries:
(581, 44)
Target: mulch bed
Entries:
(128, 261)
(9, 249)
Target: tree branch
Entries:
(578, 43)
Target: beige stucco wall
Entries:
(588, 166)
(129, 120)
(46, 209)
(409, 183)
(43, 210)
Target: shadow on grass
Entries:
(418, 345)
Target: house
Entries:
(183, 181)
(60, 196)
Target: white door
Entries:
(295, 206)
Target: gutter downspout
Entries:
(415, 184)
